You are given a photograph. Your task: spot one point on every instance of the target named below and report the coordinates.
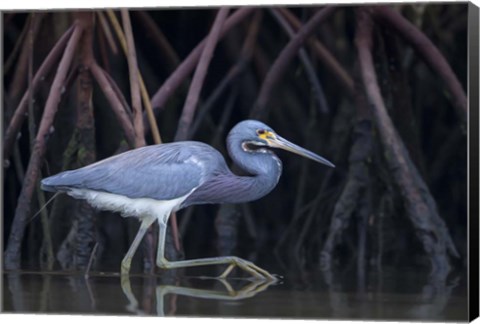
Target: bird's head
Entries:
(255, 136)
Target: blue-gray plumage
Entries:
(153, 181)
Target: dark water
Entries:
(389, 295)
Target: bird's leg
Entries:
(162, 234)
(227, 271)
(127, 260)
(232, 261)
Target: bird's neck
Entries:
(231, 188)
(264, 171)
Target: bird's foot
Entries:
(232, 261)
(249, 267)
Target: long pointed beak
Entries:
(280, 142)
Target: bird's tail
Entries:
(47, 184)
(59, 182)
(44, 184)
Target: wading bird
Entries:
(152, 182)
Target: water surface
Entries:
(393, 294)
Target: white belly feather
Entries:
(129, 207)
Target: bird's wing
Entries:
(161, 172)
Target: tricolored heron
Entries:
(154, 181)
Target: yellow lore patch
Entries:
(266, 135)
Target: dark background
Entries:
(289, 228)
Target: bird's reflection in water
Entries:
(222, 290)
(389, 295)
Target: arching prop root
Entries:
(419, 203)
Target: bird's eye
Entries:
(261, 131)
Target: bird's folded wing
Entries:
(158, 173)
